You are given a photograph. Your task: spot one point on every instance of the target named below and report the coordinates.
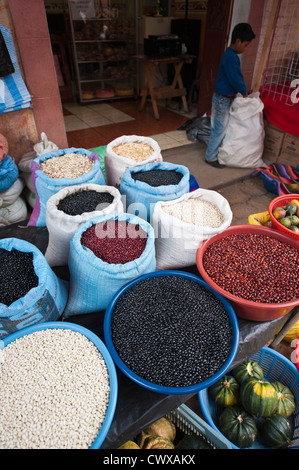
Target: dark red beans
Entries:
(254, 267)
(115, 242)
(17, 275)
(171, 331)
(157, 178)
(85, 201)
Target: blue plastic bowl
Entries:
(103, 351)
(159, 388)
(276, 367)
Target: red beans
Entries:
(254, 267)
(115, 242)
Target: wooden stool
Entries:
(170, 91)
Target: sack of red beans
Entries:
(127, 151)
(30, 292)
(47, 183)
(105, 254)
(70, 208)
(181, 225)
(143, 186)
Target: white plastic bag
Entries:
(115, 165)
(177, 241)
(243, 143)
(61, 227)
(44, 146)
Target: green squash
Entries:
(225, 392)
(248, 370)
(193, 442)
(286, 401)
(276, 431)
(259, 397)
(238, 426)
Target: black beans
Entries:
(171, 331)
(85, 201)
(17, 275)
(158, 177)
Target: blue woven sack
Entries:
(45, 187)
(43, 303)
(9, 173)
(94, 282)
(140, 198)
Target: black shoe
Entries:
(215, 164)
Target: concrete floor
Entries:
(245, 194)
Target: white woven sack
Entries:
(177, 241)
(61, 227)
(11, 195)
(115, 165)
(243, 143)
(14, 213)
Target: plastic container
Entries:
(248, 309)
(159, 388)
(278, 202)
(276, 367)
(190, 423)
(103, 351)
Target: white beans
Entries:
(135, 150)
(69, 165)
(196, 211)
(54, 391)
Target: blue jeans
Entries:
(219, 120)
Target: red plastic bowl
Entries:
(278, 202)
(248, 309)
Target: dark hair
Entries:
(242, 31)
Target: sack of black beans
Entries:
(30, 292)
(181, 225)
(56, 170)
(127, 151)
(143, 186)
(105, 254)
(70, 208)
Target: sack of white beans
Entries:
(143, 186)
(106, 253)
(30, 292)
(57, 170)
(70, 208)
(127, 151)
(181, 225)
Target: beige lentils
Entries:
(54, 391)
(69, 165)
(137, 151)
(196, 211)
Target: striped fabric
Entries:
(13, 91)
